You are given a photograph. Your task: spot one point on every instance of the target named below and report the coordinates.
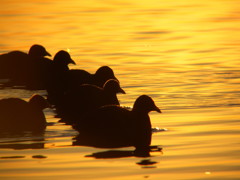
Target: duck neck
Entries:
(143, 133)
(140, 111)
(111, 97)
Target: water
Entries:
(184, 54)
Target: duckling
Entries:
(103, 74)
(16, 66)
(115, 126)
(61, 61)
(75, 77)
(18, 115)
(46, 71)
(37, 50)
(86, 98)
(57, 76)
(78, 76)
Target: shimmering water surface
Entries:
(184, 54)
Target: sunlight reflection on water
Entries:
(184, 54)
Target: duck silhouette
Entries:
(57, 76)
(78, 76)
(47, 71)
(86, 98)
(37, 50)
(110, 154)
(61, 61)
(17, 65)
(71, 80)
(103, 74)
(18, 115)
(115, 126)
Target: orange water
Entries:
(184, 54)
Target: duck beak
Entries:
(121, 91)
(72, 62)
(157, 109)
(48, 54)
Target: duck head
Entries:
(145, 103)
(103, 74)
(112, 85)
(39, 102)
(63, 57)
(37, 50)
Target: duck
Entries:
(61, 61)
(116, 126)
(103, 74)
(99, 78)
(73, 78)
(15, 66)
(17, 115)
(38, 50)
(87, 97)
(56, 76)
(47, 71)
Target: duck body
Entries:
(78, 77)
(38, 74)
(69, 80)
(50, 73)
(115, 126)
(17, 66)
(57, 76)
(9, 63)
(18, 115)
(86, 98)
(14, 66)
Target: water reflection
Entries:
(21, 146)
(147, 163)
(39, 156)
(111, 154)
(19, 157)
(121, 153)
(82, 140)
(22, 140)
(12, 157)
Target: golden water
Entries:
(184, 54)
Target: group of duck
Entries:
(86, 101)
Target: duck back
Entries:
(18, 115)
(116, 126)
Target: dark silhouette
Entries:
(57, 76)
(17, 66)
(77, 77)
(72, 79)
(86, 98)
(83, 140)
(38, 74)
(17, 115)
(46, 73)
(111, 154)
(116, 126)
(61, 61)
(33, 71)
(121, 153)
(147, 163)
